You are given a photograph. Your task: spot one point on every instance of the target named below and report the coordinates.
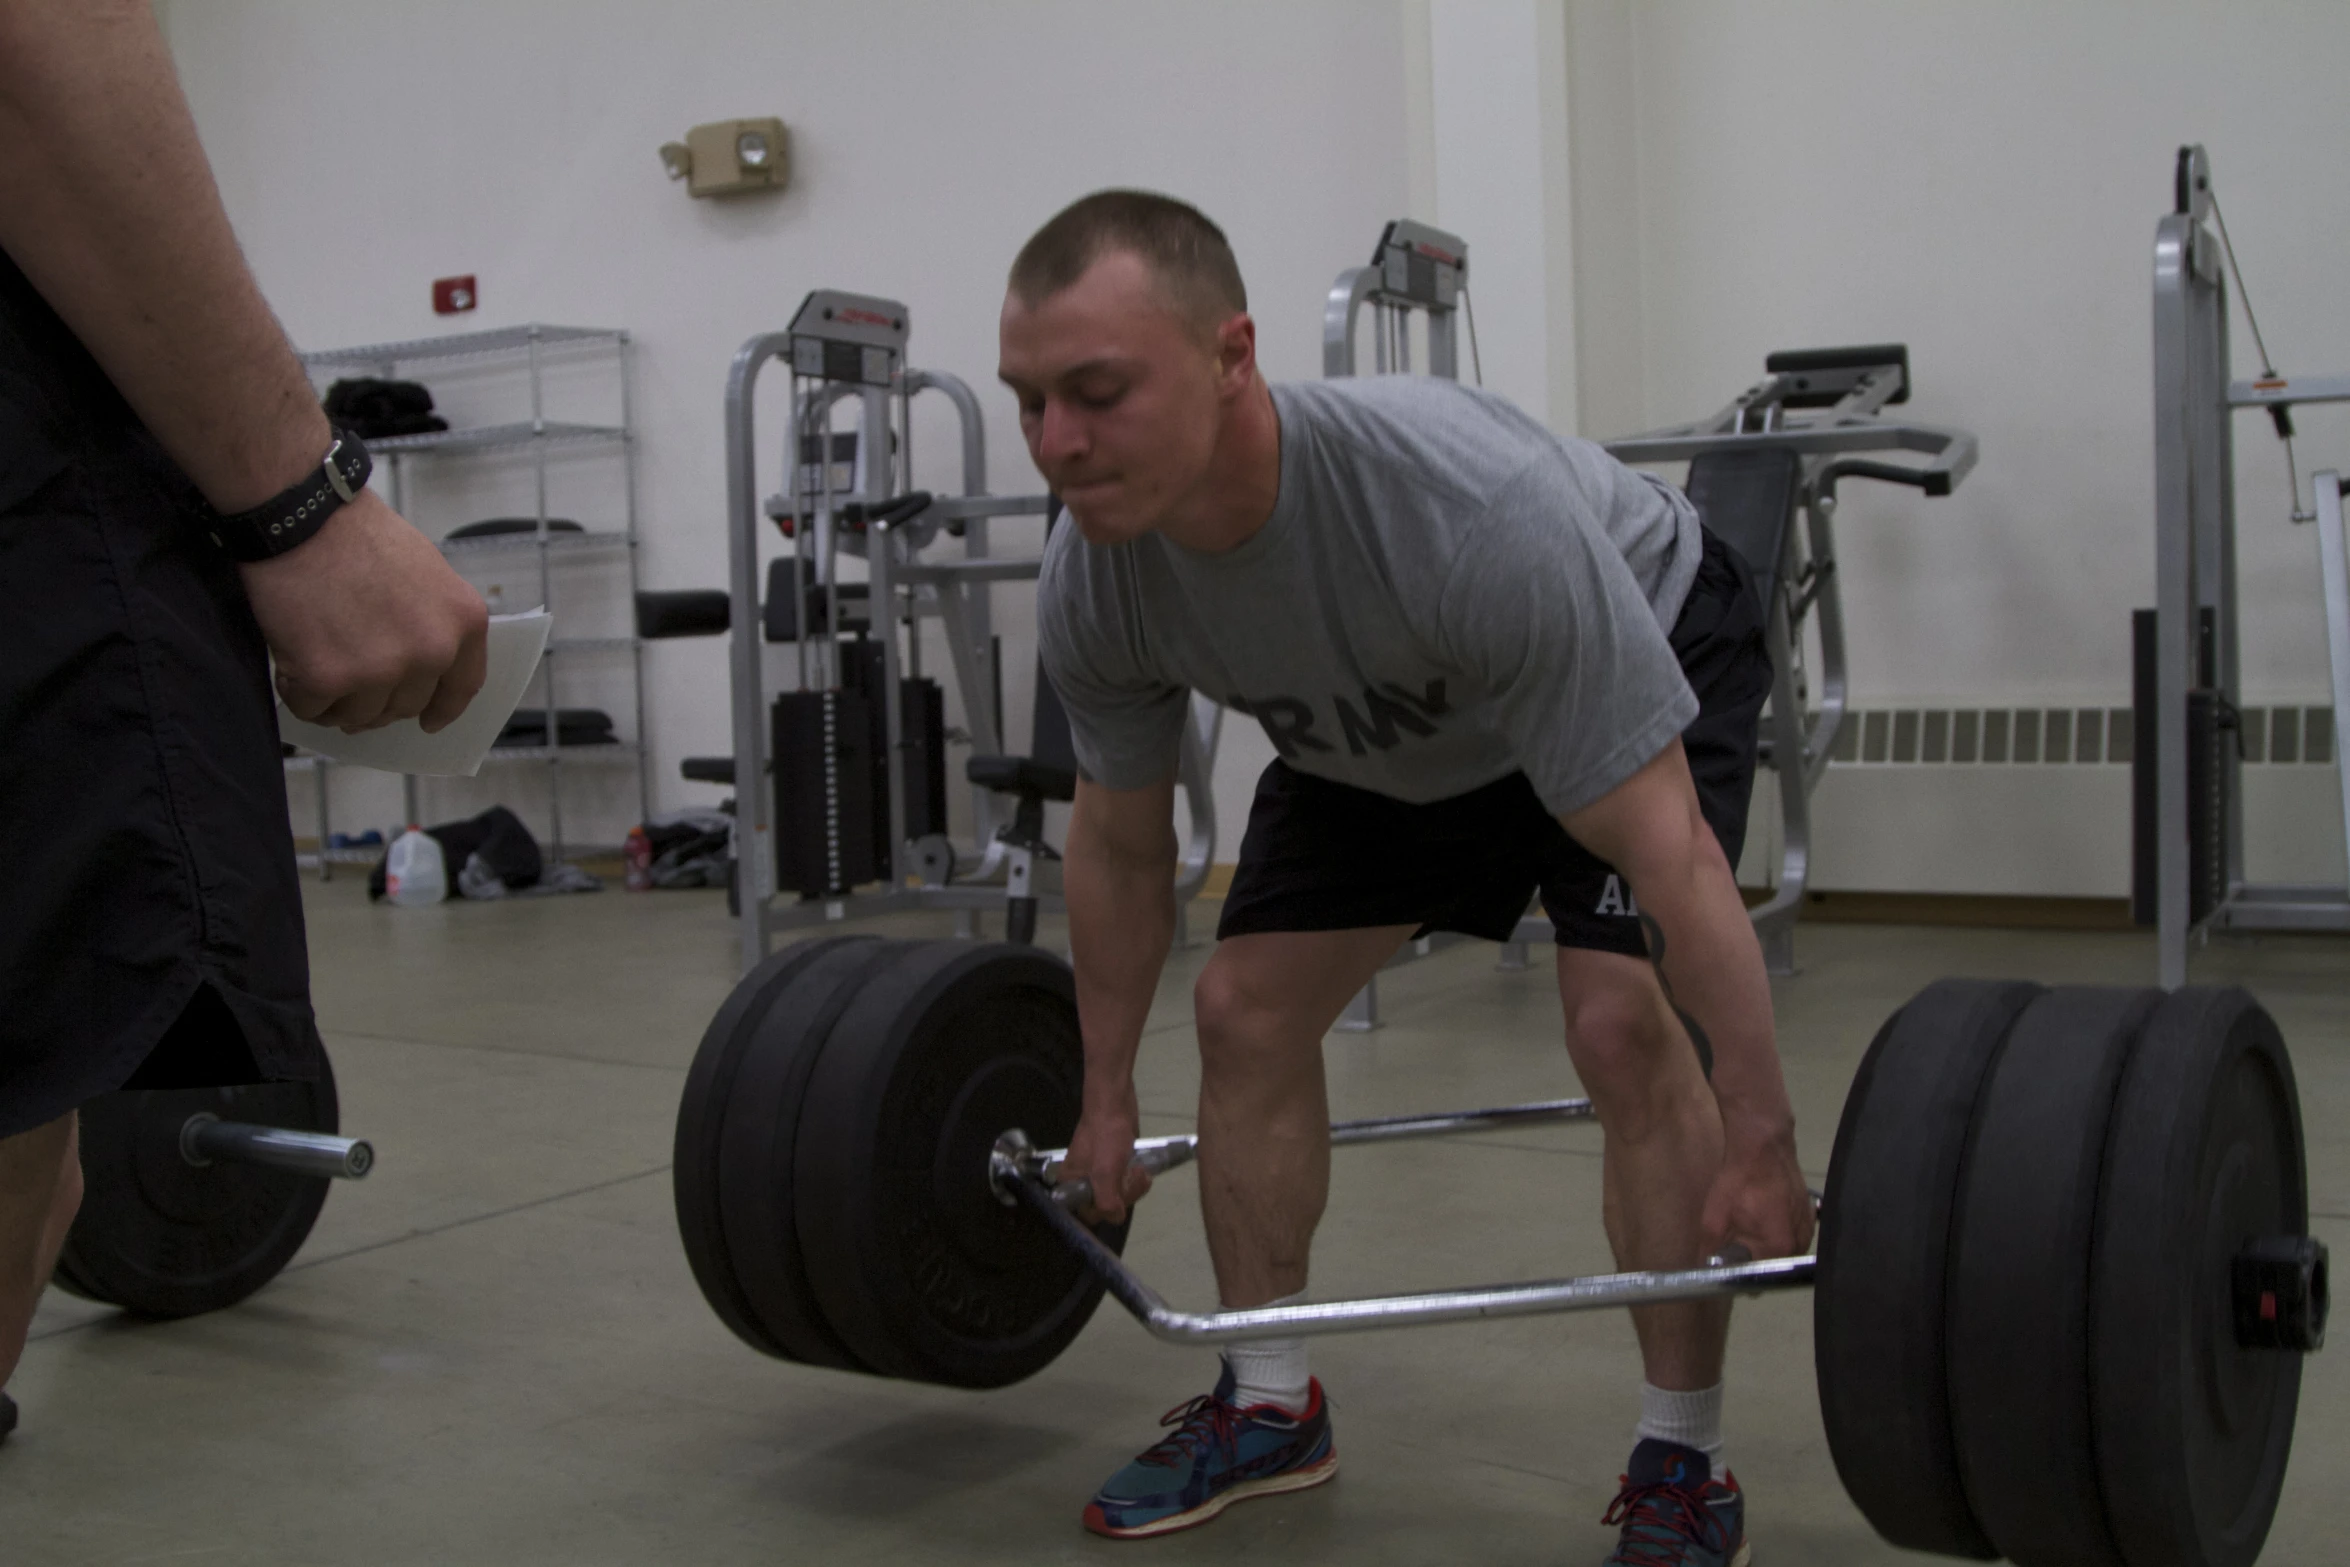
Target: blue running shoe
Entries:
(1675, 1514)
(1218, 1454)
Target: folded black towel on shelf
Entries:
(573, 726)
(372, 409)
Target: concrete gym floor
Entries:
(491, 1351)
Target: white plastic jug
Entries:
(416, 874)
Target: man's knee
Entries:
(1246, 1025)
(1616, 1034)
(1626, 1046)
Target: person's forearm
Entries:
(108, 206)
(1711, 966)
(1121, 924)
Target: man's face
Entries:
(1121, 400)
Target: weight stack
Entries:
(824, 761)
(922, 714)
(923, 706)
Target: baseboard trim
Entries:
(1981, 910)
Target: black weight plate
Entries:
(758, 1150)
(2205, 1153)
(701, 1111)
(1878, 1304)
(921, 1270)
(161, 1237)
(2019, 1328)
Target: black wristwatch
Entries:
(292, 516)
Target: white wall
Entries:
(1978, 179)
(1981, 181)
(1498, 78)
(364, 150)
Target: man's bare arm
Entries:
(109, 207)
(1118, 876)
(1710, 964)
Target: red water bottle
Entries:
(637, 855)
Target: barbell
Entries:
(2061, 1294)
(193, 1198)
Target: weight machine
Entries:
(840, 776)
(1775, 452)
(2188, 814)
(1415, 269)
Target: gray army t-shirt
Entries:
(1446, 593)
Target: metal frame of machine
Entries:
(1785, 412)
(2190, 844)
(851, 348)
(1414, 268)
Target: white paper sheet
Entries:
(516, 641)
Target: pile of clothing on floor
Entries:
(495, 857)
(690, 848)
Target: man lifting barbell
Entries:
(1490, 660)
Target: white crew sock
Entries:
(1271, 1370)
(1691, 1419)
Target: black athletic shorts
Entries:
(150, 920)
(1320, 855)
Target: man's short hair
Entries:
(1188, 254)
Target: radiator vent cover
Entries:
(2058, 736)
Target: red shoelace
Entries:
(1199, 1425)
(1662, 1518)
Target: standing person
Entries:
(1490, 660)
(175, 514)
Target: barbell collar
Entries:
(206, 1138)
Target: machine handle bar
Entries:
(1934, 481)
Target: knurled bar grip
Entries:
(206, 1138)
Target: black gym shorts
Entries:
(1320, 855)
(151, 933)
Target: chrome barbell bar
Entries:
(1020, 1172)
(1157, 1155)
(205, 1137)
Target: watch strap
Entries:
(292, 516)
